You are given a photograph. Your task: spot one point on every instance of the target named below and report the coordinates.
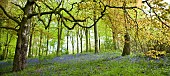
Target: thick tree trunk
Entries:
(96, 39)
(24, 45)
(126, 49)
(19, 62)
(95, 30)
(17, 57)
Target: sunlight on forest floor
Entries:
(102, 64)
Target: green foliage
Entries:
(108, 45)
(155, 54)
(110, 64)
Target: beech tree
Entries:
(22, 29)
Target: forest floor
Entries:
(88, 64)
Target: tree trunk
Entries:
(126, 49)
(5, 49)
(59, 39)
(99, 42)
(30, 40)
(0, 38)
(19, 62)
(87, 46)
(89, 42)
(96, 39)
(30, 45)
(40, 45)
(95, 29)
(67, 41)
(17, 57)
(47, 42)
(81, 41)
(78, 40)
(7, 46)
(114, 40)
(72, 42)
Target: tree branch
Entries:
(159, 18)
(42, 13)
(76, 23)
(9, 16)
(75, 20)
(47, 6)
(121, 7)
(72, 5)
(18, 6)
(9, 28)
(49, 21)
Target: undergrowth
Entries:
(102, 64)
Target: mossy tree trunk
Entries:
(126, 49)
(19, 62)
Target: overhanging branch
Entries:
(9, 28)
(9, 16)
(121, 7)
(18, 6)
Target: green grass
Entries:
(105, 65)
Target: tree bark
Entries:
(17, 57)
(59, 39)
(95, 30)
(78, 40)
(19, 62)
(87, 42)
(67, 41)
(114, 40)
(72, 42)
(126, 49)
(99, 42)
(40, 45)
(81, 41)
(47, 43)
